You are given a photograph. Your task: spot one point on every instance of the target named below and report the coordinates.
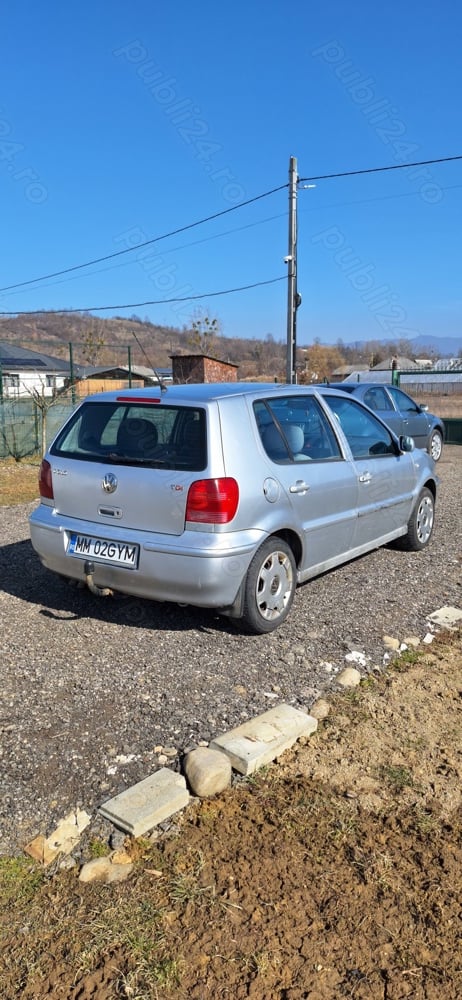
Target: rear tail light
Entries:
(212, 501)
(46, 481)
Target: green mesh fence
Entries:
(27, 426)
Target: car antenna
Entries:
(163, 387)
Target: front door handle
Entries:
(299, 487)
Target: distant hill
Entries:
(424, 345)
(446, 347)
(98, 341)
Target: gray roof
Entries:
(401, 362)
(347, 369)
(138, 371)
(14, 358)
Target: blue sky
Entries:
(120, 123)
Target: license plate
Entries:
(103, 550)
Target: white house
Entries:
(23, 372)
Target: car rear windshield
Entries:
(172, 437)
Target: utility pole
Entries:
(293, 298)
(71, 372)
(129, 351)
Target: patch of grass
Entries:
(19, 880)
(98, 849)
(366, 683)
(258, 777)
(167, 973)
(260, 963)
(426, 822)
(407, 659)
(19, 480)
(397, 776)
(184, 879)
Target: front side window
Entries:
(402, 401)
(136, 434)
(366, 436)
(295, 429)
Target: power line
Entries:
(182, 246)
(377, 170)
(139, 246)
(216, 215)
(254, 225)
(151, 302)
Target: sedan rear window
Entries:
(172, 437)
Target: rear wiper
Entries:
(133, 460)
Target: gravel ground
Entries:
(97, 693)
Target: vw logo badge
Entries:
(109, 483)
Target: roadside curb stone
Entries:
(446, 617)
(260, 740)
(144, 805)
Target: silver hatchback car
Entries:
(225, 496)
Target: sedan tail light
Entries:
(212, 501)
(46, 481)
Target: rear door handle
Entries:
(299, 487)
(365, 478)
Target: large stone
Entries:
(320, 710)
(349, 677)
(147, 803)
(105, 870)
(391, 643)
(261, 740)
(208, 771)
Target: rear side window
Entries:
(378, 399)
(136, 434)
(295, 429)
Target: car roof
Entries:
(202, 392)
(349, 386)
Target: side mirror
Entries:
(423, 408)
(406, 443)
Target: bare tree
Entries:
(93, 342)
(205, 331)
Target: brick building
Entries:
(201, 368)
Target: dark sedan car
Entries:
(401, 413)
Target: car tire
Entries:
(420, 525)
(435, 445)
(269, 586)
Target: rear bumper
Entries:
(200, 568)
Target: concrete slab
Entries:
(261, 740)
(447, 617)
(144, 805)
